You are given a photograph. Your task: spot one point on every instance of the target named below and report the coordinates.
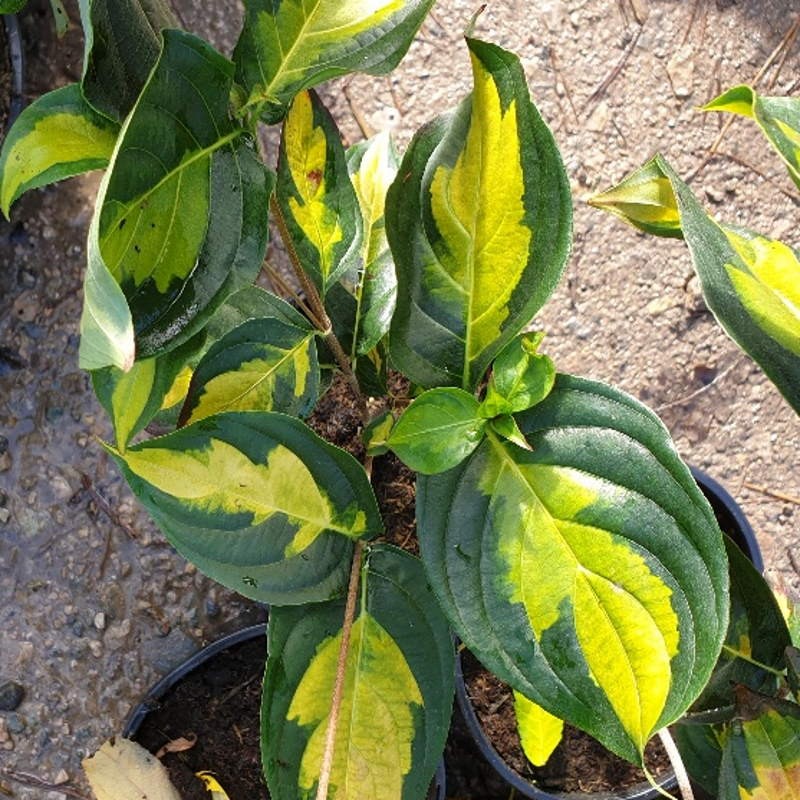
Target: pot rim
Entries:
(16, 56)
(644, 791)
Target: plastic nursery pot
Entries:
(732, 521)
(214, 658)
(13, 61)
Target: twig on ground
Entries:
(106, 508)
(35, 782)
(786, 52)
(692, 18)
(788, 498)
(559, 75)
(612, 76)
(702, 389)
(793, 560)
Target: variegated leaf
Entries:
(588, 572)
(373, 166)
(479, 223)
(258, 502)
(645, 200)
(57, 136)
(539, 732)
(778, 118)
(314, 193)
(261, 365)
(291, 45)
(750, 282)
(181, 217)
(761, 753)
(133, 398)
(398, 689)
(122, 41)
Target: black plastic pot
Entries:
(17, 63)
(154, 696)
(733, 522)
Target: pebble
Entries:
(6, 742)
(100, 621)
(11, 695)
(5, 462)
(62, 777)
(680, 69)
(5, 515)
(167, 652)
(15, 723)
(96, 647)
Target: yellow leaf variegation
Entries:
(376, 726)
(397, 690)
(478, 221)
(539, 731)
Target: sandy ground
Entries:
(93, 606)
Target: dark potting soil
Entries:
(579, 763)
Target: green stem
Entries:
(738, 654)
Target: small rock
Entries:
(165, 653)
(680, 69)
(6, 742)
(15, 723)
(78, 628)
(62, 777)
(11, 695)
(714, 195)
(661, 304)
(212, 609)
(100, 621)
(5, 462)
(96, 648)
(599, 119)
(5, 515)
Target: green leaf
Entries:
(122, 43)
(56, 137)
(521, 377)
(314, 192)
(59, 17)
(291, 45)
(376, 434)
(479, 221)
(373, 166)
(253, 302)
(181, 219)
(258, 502)
(752, 285)
(588, 573)
(645, 200)
(12, 6)
(757, 634)
(761, 754)
(398, 689)
(437, 431)
(262, 365)
(539, 732)
(778, 118)
(133, 398)
(701, 754)
(506, 426)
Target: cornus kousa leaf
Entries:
(438, 430)
(57, 136)
(479, 222)
(180, 222)
(290, 45)
(778, 118)
(314, 193)
(539, 732)
(133, 398)
(398, 689)
(761, 753)
(122, 43)
(258, 502)
(752, 285)
(588, 572)
(262, 365)
(521, 377)
(645, 200)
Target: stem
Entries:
(318, 307)
(737, 654)
(341, 669)
(681, 775)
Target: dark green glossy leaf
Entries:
(181, 219)
(122, 43)
(594, 550)
(479, 222)
(398, 689)
(437, 431)
(291, 45)
(261, 365)
(701, 753)
(314, 193)
(57, 136)
(253, 302)
(521, 377)
(258, 502)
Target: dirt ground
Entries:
(93, 606)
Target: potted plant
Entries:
(560, 535)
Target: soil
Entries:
(5, 79)
(578, 764)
